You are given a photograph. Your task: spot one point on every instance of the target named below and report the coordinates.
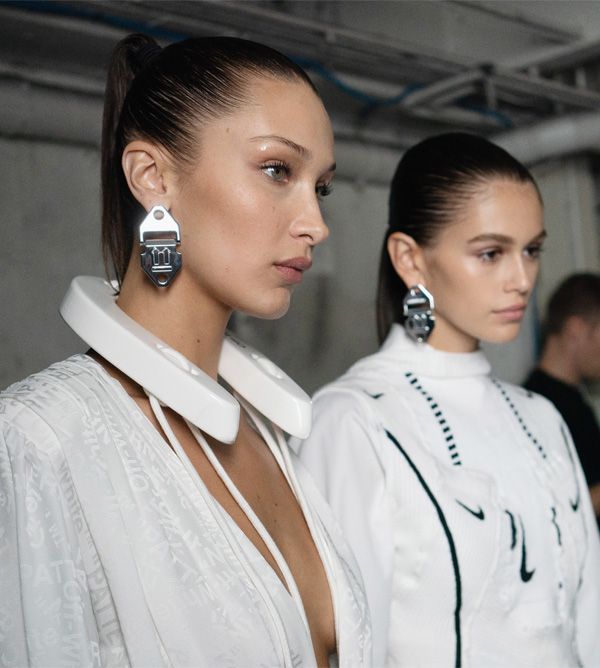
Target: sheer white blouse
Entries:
(113, 552)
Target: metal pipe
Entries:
(553, 138)
(44, 113)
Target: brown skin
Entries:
(573, 356)
(249, 203)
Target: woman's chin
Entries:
(269, 311)
(505, 334)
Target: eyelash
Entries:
(492, 254)
(277, 164)
(322, 189)
(535, 251)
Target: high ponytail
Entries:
(129, 57)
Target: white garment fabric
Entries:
(114, 554)
(464, 502)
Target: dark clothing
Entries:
(578, 415)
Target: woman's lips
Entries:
(512, 313)
(292, 269)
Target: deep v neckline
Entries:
(180, 459)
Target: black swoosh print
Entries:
(479, 514)
(558, 534)
(513, 530)
(377, 395)
(574, 504)
(526, 575)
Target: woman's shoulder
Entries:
(364, 387)
(346, 396)
(530, 407)
(40, 406)
(532, 401)
(364, 401)
(363, 377)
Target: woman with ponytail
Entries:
(461, 494)
(132, 533)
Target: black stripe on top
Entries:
(520, 420)
(437, 412)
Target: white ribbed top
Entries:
(466, 507)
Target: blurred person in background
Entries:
(570, 356)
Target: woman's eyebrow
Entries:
(540, 237)
(503, 239)
(500, 238)
(301, 150)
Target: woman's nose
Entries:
(309, 222)
(522, 276)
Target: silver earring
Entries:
(159, 238)
(417, 307)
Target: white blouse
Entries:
(113, 552)
(466, 507)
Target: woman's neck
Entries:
(451, 340)
(190, 323)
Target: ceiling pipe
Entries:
(554, 138)
(47, 114)
(555, 57)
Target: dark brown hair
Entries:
(165, 95)
(433, 181)
(578, 294)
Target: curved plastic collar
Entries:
(90, 309)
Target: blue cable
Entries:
(50, 7)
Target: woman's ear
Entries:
(407, 258)
(148, 174)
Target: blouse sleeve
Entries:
(344, 457)
(12, 628)
(45, 607)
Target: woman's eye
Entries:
(490, 255)
(324, 189)
(534, 251)
(278, 171)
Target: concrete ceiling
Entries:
(380, 65)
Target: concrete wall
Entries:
(50, 232)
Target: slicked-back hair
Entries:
(434, 181)
(165, 96)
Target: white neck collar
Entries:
(90, 309)
(421, 358)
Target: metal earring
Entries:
(417, 307)
(159, 238)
